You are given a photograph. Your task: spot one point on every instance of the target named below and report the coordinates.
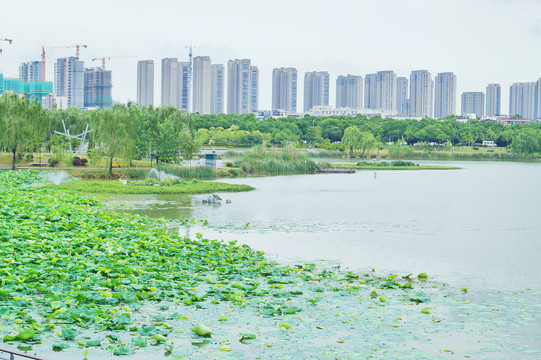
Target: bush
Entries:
(402, 163)
(53, 162)
(229, 164)
(29, 157)
(236, 172)
(77, 161)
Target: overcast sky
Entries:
(481, 41)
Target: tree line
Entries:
(131, 132)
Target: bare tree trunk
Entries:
(111, 167)
(14, 158)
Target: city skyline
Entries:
(476, 63)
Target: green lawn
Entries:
(116, 187)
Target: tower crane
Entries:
(43, 63)
(76, 46)
(109, 58)
(8, 40)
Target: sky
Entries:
(481, 41)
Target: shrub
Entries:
(402, 163)
(53, 162)
(29, 157)
(229, 164)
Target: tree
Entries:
(352, 138)
(527, 142)
(23, 123)
(115, 133)
(368, 141)
(189, 144)
(168, 142)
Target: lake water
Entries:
(477, 227)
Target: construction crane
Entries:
(43, 63)
(8, 40)
(109, 58)
(76, 46)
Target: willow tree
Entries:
(352, 138)
(115, 133)
(23, 123)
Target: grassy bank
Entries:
(393, 165)
(116, 187)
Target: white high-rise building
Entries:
(445, 95)
(69, 74)
(316, 89)
(402, 96)
(473, 103)
(217, 89)
(145, 82)
(386, 91)
(241, 96)
(420, 93)
(201, 84)
(349, 91)
(493, 100)
(522, 100)
(284, 89)
(171, 82)
(370, 91)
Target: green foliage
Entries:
(115, 132)
(273, 161)
(22, 123)
(116, 187)
(198, 172)
(527, 142)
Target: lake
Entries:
(476, 227)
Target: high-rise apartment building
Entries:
(522, 100)
(171, 76)
(445, 95)
(316, 89)
(473, 103)
(217, 89)
(370, 91)
(537, 100)
(242, 77)
(31, 71)
(284, 89)
(420, 104)
(349, 91)
(185, 96)
(493, 100)
(254, 94)
(69, 80)
(145, 82)
(402, 96)
(201, 84)
(98, 87)
(386, 90)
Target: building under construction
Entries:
(98, 87)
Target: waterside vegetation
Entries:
(79, 279)
(145, 187)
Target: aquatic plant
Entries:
(273, 161)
